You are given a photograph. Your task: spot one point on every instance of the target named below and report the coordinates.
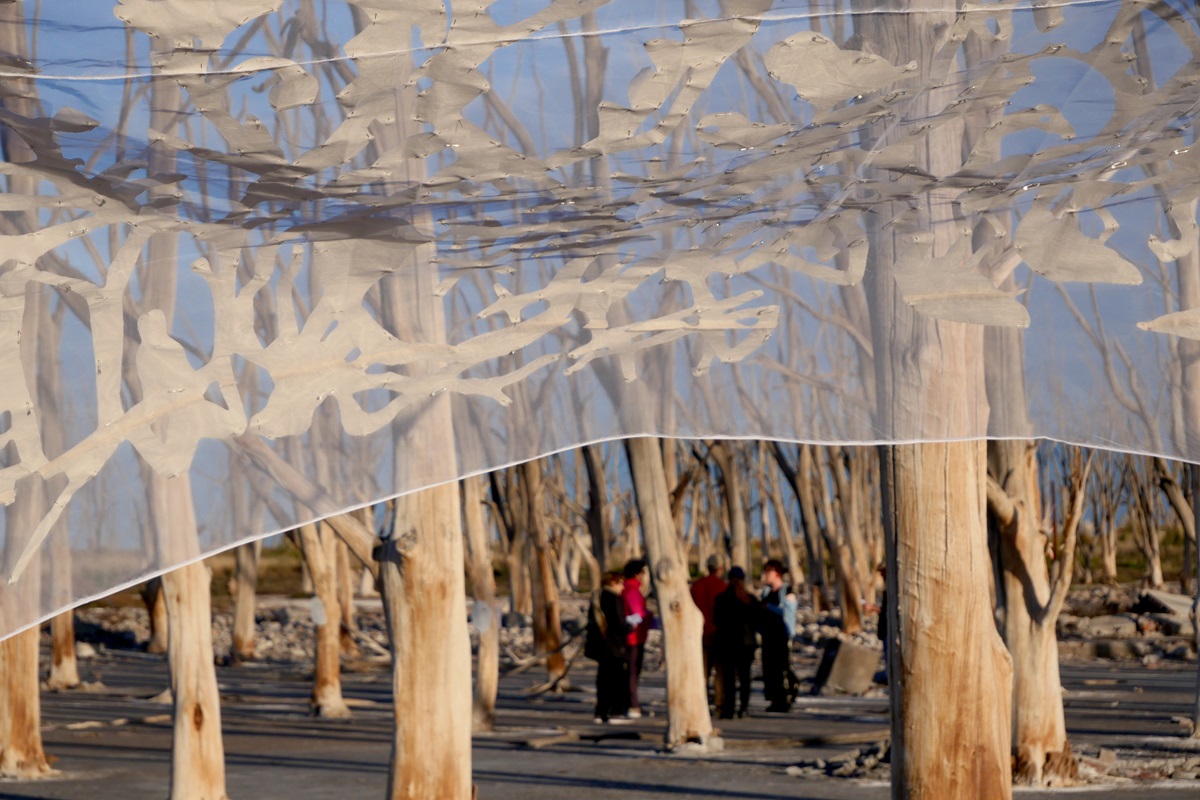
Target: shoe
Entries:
(743, 714)
(620, 721)
(599, 720)
(634, 713)
(778, 708)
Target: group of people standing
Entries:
(618, 624)
(735, 619)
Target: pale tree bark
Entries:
(510, 509)
(1028, 602)
(245, 581)
(800, 479)
(769, 480)
(197, 751)
(319, 544)
(731, 488)
(424, 596)
(688, 718)
(156, 610)
(21, 753)
(840, 554)
(950, 675)
(345, 591)
(547, 622)
(64, 667)
(1025, 612)
(487, 615)
(421, 561)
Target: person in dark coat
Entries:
(735, 615)
(606, 644)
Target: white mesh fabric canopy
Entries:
(265, 260)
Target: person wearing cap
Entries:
(704, 595)
(735, 612)
(777, 624)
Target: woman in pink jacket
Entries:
(639, 618)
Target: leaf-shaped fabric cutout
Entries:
(823, 73)
(1056, 248)
(1185, 324)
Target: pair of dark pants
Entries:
(635, 653)
(612, 687)
(735, 666)
(712, 663)
(775, 666)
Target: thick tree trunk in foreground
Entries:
(487, 614)
(547, 620)
(244, 592)
(1028, 623)
(64, 668)
(21, 754)
(421, 572)
(319, 545)
(197, 752)
(950, 675)
(688, 718)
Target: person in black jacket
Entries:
(607, 632)
(735, 614)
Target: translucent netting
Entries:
(264, 260)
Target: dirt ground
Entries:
(115, 743)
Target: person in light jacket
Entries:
(777, 625)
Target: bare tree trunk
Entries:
(770, 484)
(64, 668)
(487, 615)
(246, 558)
(21, 754)
(421, 573)
(731, 487)
(156, 609)
(197, 752)
(688, 718)
(345, 589)
(1195, 478)
(1108, 553)
(1028, 623)
(597, 519)
(950, 676)
(836, 539)
(800, 479)
(547, 621)
(320, 553)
